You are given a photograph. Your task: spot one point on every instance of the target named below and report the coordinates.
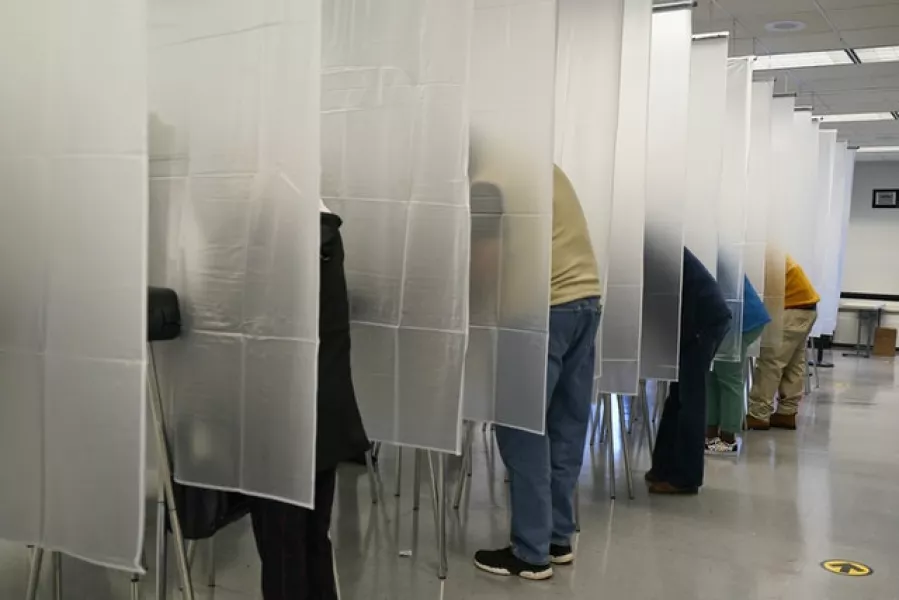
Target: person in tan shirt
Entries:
(544, 469)
(781, 370)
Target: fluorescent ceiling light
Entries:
(878, 149)
(802, 59)
(849, 118)
(876, 55)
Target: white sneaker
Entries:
(710, 442)
(722, 448)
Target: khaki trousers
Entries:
(781, 370)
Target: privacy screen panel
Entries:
(835, 233)
(234, 159)
(760, 193)
(666, 190)
(73, 222)
(623, 306)
(587, 83)
(395, 114)
(828, 211)
(706, 137)
(733, 202)
(513, 64)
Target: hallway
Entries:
(759, 529)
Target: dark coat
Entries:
(703, 306)
(340, 434)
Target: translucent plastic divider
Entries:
(623, 306)
(835, 234)
(801, 207)
(734, 201)
(706, 137)
(760, 192)
(394, 147)
(73, 246)
(234, 165)
(782, 190)
(666, 190)
(828, 211)
(587, 82)
(513, 65)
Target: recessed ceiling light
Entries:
(878, 149)
(875, 55)
(784, 26)
(802, 59)
(849, 118)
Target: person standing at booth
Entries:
(727, 382)
(544, 469)
(781, 370)
(678, 459)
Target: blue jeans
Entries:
(544, 469)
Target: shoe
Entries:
(504, 562)
(709, 442)
(665, 488)
(779, 421)
(757, 424)
(561, 555)
(722, 448)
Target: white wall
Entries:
(871, 258)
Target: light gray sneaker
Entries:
(722, 448)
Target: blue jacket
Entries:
(755, 314)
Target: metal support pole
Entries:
(166, 477)
(372, 480)
(399, 472)
(34, 573)
(416, 481)
(625, 451)
(597, 419)
(610, 438)
(647, 420)
(441, 509)
(162, 554)
(57, 575)
(467, 447)
(210, 580)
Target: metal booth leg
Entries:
(416, 481)
(610, 439)
(165, 475)
(34, 573)
(56, 561)
(647, 418)
(625, 451)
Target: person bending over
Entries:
(781, 370)
(544, 469)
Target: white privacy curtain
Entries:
(783, 171)
(394, 148)
(800, 211)
(666, 189)
(623, 305)
(835, 234)
(733, 201)
(73, 220)
(758, 207)
(825, 219)
(234, 164)
(513, 63)
(705, 140)
(587, 78)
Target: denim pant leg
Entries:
(567, 422)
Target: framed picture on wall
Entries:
(885, 199)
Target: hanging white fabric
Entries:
(666, 189)
(758, 209)
(395, 120)
(837, 226)
(623, 305)
(73, 208)
(733, 202)
(828, 211)
(705, 140)
(588, 55)
(235, 193)
(802, 205)
(513, 68)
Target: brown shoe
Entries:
(779, 421)
(757, 424)
(665, 488)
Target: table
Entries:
(870, 314)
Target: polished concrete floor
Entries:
(759, 530)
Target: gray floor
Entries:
(758, 531)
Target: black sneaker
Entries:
(561, 555)
(503, 562)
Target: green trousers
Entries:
(725, 389)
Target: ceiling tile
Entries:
(844, 4)
(814, 23)
(865, 18)
(865, 38)
(801, 42)
(740, 8)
